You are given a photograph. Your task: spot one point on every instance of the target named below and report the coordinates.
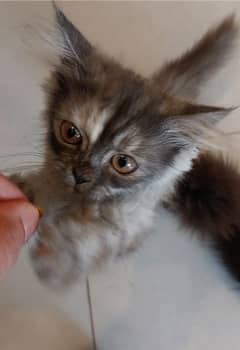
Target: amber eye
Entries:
(69, 133)
(124, 164)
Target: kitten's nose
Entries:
(80, 178)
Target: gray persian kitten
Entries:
(116, 145)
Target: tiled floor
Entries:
(171, 294)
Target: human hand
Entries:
(18, 221)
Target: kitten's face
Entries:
(108, 134)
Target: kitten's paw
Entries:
(54, 258)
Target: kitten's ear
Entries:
(184, 76)
(179, 109)
(72, 44)
(188, 124)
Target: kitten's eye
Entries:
(124, 164)
(69, 133)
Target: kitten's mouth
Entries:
(80, 188)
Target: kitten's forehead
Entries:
(113, 123)
(92, 119)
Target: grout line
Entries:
(94, 344)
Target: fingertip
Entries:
(8, 190)
(29, 216)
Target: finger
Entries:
(20, 213)
(8, 190)
(18, 220)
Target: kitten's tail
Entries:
(184, 76)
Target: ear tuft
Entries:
(73, 45)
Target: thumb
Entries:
(18, 220)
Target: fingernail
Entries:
(29, 216)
